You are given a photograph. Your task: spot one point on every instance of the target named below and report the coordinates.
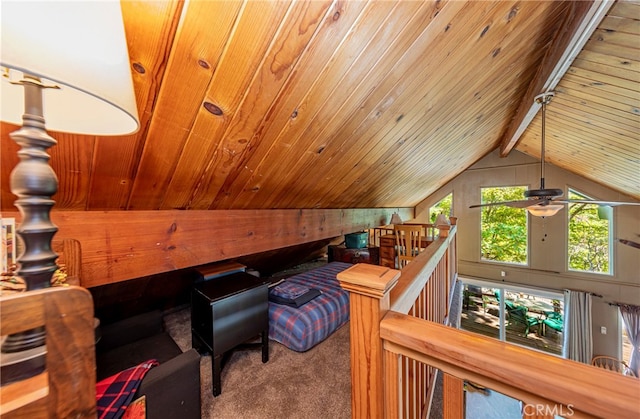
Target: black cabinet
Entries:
(227, 312)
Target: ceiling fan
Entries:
(544, 202)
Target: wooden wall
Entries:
(168, 290)
(121, 245)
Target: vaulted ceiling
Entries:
(351, 104)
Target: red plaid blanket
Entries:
(114, 394)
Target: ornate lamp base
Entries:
(20, 365)
(34, 182)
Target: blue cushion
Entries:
(304, 327)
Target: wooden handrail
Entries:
(416, 274)
(534, 377)
(397, 342)
(424, 291)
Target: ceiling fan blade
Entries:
(630, 243)
(593, 202)
(528, 203)
(541, 201)
(514, 204)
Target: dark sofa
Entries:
(172, 389)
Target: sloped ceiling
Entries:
(593, 122)
(346, 104)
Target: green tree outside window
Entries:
(441, 207)
(504, 229)
(589, 231)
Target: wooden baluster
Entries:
(369, 287)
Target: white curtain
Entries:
(578, 341)
(631, 317)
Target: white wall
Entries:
(547, 238)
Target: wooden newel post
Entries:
(443, 230)
(369, 287)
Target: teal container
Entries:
(356, 240)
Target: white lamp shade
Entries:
(441, 220)
(544, 210)
(79, 46)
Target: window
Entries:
(523, 316)
(589, 238)
(504, 229)
(441, 207)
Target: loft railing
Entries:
(422, 292)
(545, 384)
(430, 232)
(398, 340)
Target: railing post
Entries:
(453, 396)
(443, 230)
(369, 287)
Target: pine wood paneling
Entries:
(194, 56)
(416, 158)
(325, 101)
(121, 245)
(326, 139)
(566, 38)
(594, 121)
(348, 104)
(215, 142)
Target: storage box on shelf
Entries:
(356, 240)
(364, 255)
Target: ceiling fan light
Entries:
(544, 210)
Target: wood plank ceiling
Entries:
(345, 104)
(593, 122)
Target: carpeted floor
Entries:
(312, 384)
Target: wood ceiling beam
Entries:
(122, 245)
(583, 17)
